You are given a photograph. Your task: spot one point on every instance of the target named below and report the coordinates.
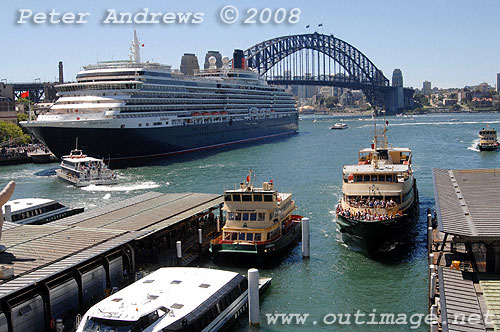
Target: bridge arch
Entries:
(360, 69)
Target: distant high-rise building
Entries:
(189, 62)
(498, 82)
(217, 56)
(427, 88)
(397, 78)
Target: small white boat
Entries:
(81, 170)
(173, 299)
(36, 211)
(339, 125)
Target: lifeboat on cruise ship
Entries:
(205, 113)
(195, 114)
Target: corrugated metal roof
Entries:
(467, 202)
(460, 310)
(491, 293)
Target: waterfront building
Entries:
(6, 91)
(397, 78)
(8, 110)
(426, 88)
(216, 55)
(498, 82)
(189, 63)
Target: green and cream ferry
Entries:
(487, 139)
(260, 223)
(379, 195)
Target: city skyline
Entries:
(445, 43)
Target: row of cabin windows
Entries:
(238, 216)
(374, 178)
(487, 132)
(36, 212)
(209, 315)
(242, 236)
(248, 197)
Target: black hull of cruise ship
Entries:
(126, 145)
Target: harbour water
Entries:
(335, 280)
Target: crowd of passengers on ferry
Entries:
(366, 215)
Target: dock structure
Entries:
(464, 251)
(59, 270)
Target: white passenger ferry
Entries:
(36, 211)
(124, 110)
(81, 170)
(171, 299)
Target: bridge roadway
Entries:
(62, 268)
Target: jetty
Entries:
(464, 251)
(59, 270)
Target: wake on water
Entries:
(127, 187)
(473, 146)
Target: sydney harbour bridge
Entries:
(324, 60)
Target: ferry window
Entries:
(246, 198)
(245, 216)
(241, 236)
(367, 178)
(140, 124)
(234, 235)
(227, 198)
(381, 178)
(262, 216)
(227, 236)
(249, 236)
(258, 237)
(236, 198)
(257, 198)
(359, 178)
(374, 178)
(268, 198)
(237, 216)
(230, 215)
(253, 216)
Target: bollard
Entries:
(431, 259)
(434, 326)
(305, 237)
(8, 212)
(200, 236)
(218, 225)
(429, 239)
(178, 246)
(432, 291)
(253, 297)
(429, 218)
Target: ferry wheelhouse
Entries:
(173, 299)
(487, 139)
(379, 194)
(259, 222)
(129, 109)
(81, 170)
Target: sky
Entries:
(450, 43)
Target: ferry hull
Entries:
(257, 253)
(487, 147)
(128, 144)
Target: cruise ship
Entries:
(125, 110)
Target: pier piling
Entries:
(253, 297)
(305, 238)
(178, 246)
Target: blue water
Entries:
(336, 279)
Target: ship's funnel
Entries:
(239, 60)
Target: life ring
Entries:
(52, 323)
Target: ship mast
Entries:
(134, 48)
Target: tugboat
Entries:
(379, 195)
(81, 170)
(260, 223)
(487, 139)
